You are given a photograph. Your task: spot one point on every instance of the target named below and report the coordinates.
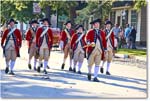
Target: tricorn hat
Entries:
(45, 19)
(96, 20)
(12, 20)
(33, 21)
(108, 22)
(67, 22)
(78, 26)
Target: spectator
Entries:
(121, 38)
(133, 37)
(127, 35)
(116, 31)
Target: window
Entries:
(134, 18)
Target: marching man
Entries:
(12, 39)
(65, 43)
(77, 43)
(31, 38)
(96, 46)
(44, 42)
(110, 47)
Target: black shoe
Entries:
(29, 66)
(107, 73)
(74, 70)
(12, 73)
(41, 65)
(38, 69)
(79, 72)
(48, 67)
(63, 65)
(45, 72)
(35, 68)
(89, 76)
(7, 70)
(70, 69)
(96, 79)
(102, 70)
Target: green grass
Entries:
(136, 52)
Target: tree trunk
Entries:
(72, 14)
(48, 13)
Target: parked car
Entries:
(56, 37)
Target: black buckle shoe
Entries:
(74, 70)
(63, 65)
(107, 73)
(79, 72)
(7, 70)
(41, 65)
(96, 79)
(70, 69)
(48, 67)
(35, 68)
(29, 66)
(38, 69)
(12, 73)
(102, 70)
(45, 72)
(89, 76)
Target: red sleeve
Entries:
(104, 40)
(39, 30)
(19, 37)
(28, 35)
(84, 39)
(63, 36)
(4, 36)
(50, 36)
(89, 36)
(73, 39)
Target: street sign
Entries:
(36, 8)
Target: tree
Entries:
(99, 9)
(20, 10)
(139, 4)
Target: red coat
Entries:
(112, 38)
(49, 38)
(18, 41)
(74, 39)
(64, 37)
(29, 36)
(90, 38)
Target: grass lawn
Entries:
(136, 52)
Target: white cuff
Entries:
(61, 45)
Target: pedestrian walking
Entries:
(77, 43)
(11, 48)
(110, 47)
(31, 39)
(96, 46)
(65, 43)
(44, 42)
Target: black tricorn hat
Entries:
(12, 20)
(78, 26)
(45, 19)
(96, 20)
(108, 22)
(67, 22)
(33, 21)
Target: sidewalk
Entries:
(136, 57)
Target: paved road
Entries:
(125, 82)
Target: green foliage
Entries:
(139, 4)
(99, 9)
(18, 9)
